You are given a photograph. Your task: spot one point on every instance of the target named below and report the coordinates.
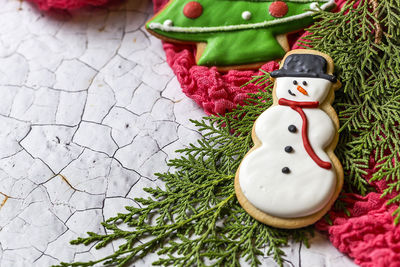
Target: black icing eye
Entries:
(295, 82)
(304, 83)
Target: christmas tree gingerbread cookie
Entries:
(291, 177)
(235, 34)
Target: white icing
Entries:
(314, 6)
(308, 187)
(246, 15)
(159, 26)
(168, 23)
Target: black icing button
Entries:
(288, 149)
(285, 170)
(292, 128)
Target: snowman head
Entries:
(303, 77)
(302, 88)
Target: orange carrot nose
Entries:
(301, 90)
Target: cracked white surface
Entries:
(89, 110)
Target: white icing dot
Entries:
(168, 23)
(152, 25)
(246, 15)
(314, 6)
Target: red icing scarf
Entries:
(298, 107)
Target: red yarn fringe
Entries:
(67, 4)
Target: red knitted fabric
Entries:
(215, 92)
(368, 235)
(67, 4)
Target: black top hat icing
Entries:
(304, 65)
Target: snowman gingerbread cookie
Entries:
(291, 177)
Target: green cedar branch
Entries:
(364, 42)
(197, 219)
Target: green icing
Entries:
(233, 48)
(233, 40)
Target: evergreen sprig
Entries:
(364, 41)
(197, 221)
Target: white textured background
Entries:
(89, 110)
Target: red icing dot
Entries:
(278, 9)
(193, 10)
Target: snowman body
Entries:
(279, 176)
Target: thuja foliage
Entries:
(197, 221)
(364, 42)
